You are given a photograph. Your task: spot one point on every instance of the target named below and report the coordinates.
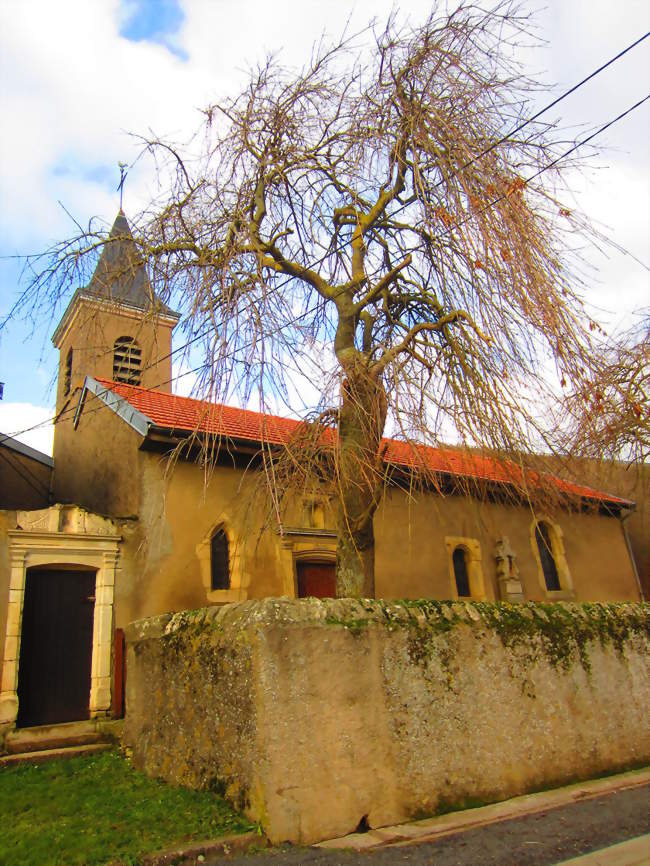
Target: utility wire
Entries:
(313, 309)
(480, 155)
(556, 101)
(550, 165)
(491, 204)
(26, 474)
(483, 153)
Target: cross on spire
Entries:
(123, 174)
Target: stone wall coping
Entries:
(358, 614)
(147, 629)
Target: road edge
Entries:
(430, 829)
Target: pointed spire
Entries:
(120, 277)
(120, 274)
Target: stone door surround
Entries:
(65, 536)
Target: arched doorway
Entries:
(54, 672)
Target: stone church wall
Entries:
(313, 714)
(167, 510)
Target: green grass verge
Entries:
(98, 809)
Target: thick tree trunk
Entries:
(355, 561)
(361, 424)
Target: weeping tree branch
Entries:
(366, 221)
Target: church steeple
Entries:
(115, 327)
(120, 274)
(120, 277)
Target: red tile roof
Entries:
(187, 415)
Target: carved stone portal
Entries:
(61, 535)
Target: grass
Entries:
(98, 809)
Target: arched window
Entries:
(127, 361)
(219, 561)
(67, 377)
(459, 559)
(465, 568)
(547, 559)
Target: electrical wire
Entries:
(491, 204)
(480, 155)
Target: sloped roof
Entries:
(120, 274)
(180, 415)
(120, 277)
(25, 450)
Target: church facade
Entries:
(141, 525)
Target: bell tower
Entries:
(115, 328)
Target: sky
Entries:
(80, 80)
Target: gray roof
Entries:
(26, 450)
(120, 277)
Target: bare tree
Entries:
(372, 213)
(611, 415)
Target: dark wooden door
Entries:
(56, 647)
(317, 579)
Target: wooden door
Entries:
(56, 647)
(317, 579)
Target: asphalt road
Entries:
(542, 839)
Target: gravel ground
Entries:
(542, 839)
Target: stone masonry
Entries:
(313, 714)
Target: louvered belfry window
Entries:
(127, 361)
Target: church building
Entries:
(132, 522)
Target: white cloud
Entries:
(29, 424)
(73, 88)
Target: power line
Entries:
(491, 204)
(526, 181)
(67, 411)
(296, 319)
(483, 153)
(558, 100)
(26, 474)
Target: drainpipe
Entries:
(631, 554)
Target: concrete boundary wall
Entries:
(313, 714)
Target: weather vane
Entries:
(123, 174)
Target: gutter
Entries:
(134, 418)
(626, 534)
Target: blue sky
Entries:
(153, 21)
(77, 77)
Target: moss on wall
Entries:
(313, 713)
(561, 632)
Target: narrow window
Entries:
(67, 378)
(545, 547)
(127, 361)
(219, 565)
(459, 560)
